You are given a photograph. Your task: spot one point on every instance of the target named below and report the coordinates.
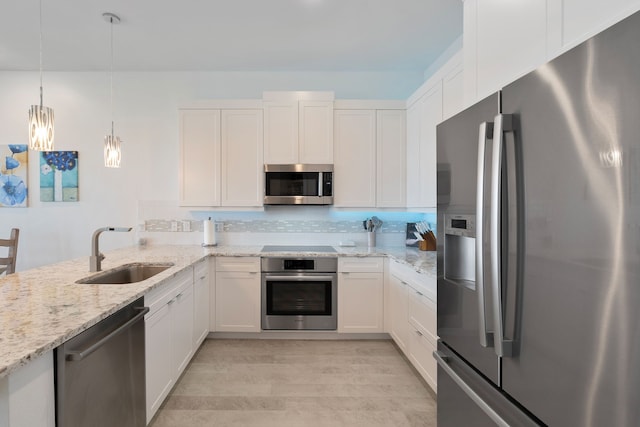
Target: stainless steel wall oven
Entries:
(299, 293)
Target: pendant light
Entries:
(41, 117)
(112, 149)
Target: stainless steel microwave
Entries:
(298, 184)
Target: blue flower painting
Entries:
(13, 175)
(59, 176)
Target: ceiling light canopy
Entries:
(41, 127)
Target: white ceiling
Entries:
(230, 35)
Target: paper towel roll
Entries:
(209, 232)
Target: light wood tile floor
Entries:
(298, 383)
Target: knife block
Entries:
(429, 242)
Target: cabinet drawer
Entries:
(423, 283)
(201, 270)
(164, 293)
(250, 264)
(422, 315)
(421, 356)
(360, 265)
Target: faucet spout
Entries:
(96, 257)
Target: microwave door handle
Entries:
(320, 184)
(485, 134)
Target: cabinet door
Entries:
(453, 92)
(237, 301)
(182, 313)
(159, 358)
(391, 159)
(315, 132)
(399, 313)
(200, 303)
(360, 302)
(422, 315)
(212, 295)
(355, 158)
(280, 132)
(424, 115)
(242, 163)
(413, 155)
(421, 356)
(199, 157)
(511, 40)
(577, 20)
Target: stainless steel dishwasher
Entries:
(100, 373)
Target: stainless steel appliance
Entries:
(299, 292)
(545, 332)
(298, 184)
(100, 373)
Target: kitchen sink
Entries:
(127, 273)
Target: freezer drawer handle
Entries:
(79, 355)
(443, 360)
(502, 123)
(485, 134)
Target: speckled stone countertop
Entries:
(43, 307)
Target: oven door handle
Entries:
(301, 278)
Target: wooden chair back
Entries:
(8, 263)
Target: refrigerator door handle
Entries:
(442, 360)
(486, 133)
(502, 123)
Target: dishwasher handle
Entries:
(79, 355)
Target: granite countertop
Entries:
(43, 307)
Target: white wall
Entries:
(146, 119)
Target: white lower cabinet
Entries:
(360, 295)
(413, 312)
(27, 395)
(201, 290)
(238, 294)
(423, 335)
(399, 306)
(169, 328)
(421, 356)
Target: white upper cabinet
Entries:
(221, 156)
(241, 154)
(298, 127)
(422, 118)
(355, 158)
(370, 156)
(391, 158)
(316, 132)
(504, 40)
(280, 132)
(573, 21)
(199, 157)
(510, 40)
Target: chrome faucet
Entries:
(97, 257)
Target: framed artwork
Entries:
(13, 175)
(59, 176)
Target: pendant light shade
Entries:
(112, 143)
(41, 128)
(112, 152)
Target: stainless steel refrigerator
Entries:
(539, 259)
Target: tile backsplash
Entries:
(164, 222)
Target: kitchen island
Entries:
(43, 307)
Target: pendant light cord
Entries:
(40, 53)
(111, 75)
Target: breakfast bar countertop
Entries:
(43, 307)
